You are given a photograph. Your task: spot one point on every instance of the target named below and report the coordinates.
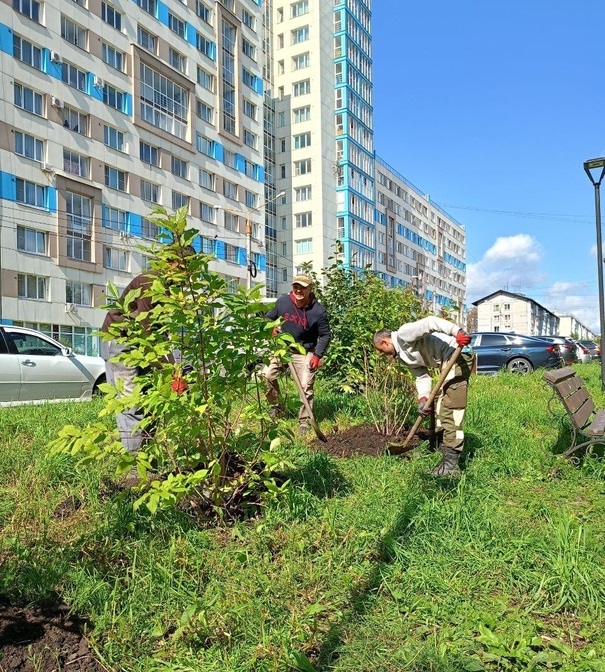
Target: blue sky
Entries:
(491, 108)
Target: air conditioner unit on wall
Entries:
(71, 308)
(55, 57)
(57, 102)
(98, 82)
(47, 168)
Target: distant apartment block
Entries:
(515, 313)
(569, 324)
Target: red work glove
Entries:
(179, 385)
(422, 408)
(462, 338)
(276, 330)
(314, 363)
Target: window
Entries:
(75, 121)
(493, 340)
(280, 41)
(302, 220)
(30, 193)
(304, 246)
(149, 229)
(302, 114)
(250, 138)
(205, 79)
(178, 167)
(205, 145)
(78, 293)
(249, 79)
(204, 112)
(303, 193)
(73, 76)
(228, 37)
(248, 19)
(231, 253)
(115, 219)
(113, 97)
(79, 226)
(230, 189)
(111, 16)
(203, 12)
(251, 199)
(28, 146)
(163, 103)
(179, 200)
(231, 221)
(30, 8)
(73, 33)
(115, 259)
(229, 158)
(302, 167)
(32, 241)
(176, 60)
(148, 153)
(299, 8)
(204, 46)
(115, 179)
(249, 49)
(302, 140)
(207, 179)
(113, 138)
(282, 171)
(75, 164)
(147, 40)
(250, 109)
(301, 61)
(32, 287)
(112, 57)
(299, 35)
(149, 191)
(176, 25)
(150, 6)
(27, 99)
(207, 213)
(301, 88)
(26, 52)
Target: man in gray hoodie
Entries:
(423, 345)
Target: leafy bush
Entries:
(214, 438)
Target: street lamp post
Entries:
(249, 236)
(595, 169)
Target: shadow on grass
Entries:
(319, 476)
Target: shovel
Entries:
(303, 397)
(399, 448)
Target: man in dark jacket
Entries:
(306, 319)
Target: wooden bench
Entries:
(587, 423)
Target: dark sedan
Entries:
(568, 348)
(519, 354)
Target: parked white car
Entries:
(584, 355)
(35, 369)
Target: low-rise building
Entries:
(515, 313)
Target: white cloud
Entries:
(511, 262)
(570, 298)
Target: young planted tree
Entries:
(206, 428)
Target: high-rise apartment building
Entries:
(112, 106)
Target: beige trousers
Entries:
(276, 367)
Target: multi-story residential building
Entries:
(113, 106)
(569, 324)
(515, 313)
(110, 107)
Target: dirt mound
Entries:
(43, 640)
(364, 440)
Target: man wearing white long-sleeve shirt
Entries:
(426, 344)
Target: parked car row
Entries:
(35, 368)
(498, 351)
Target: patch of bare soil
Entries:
(43, 640)
(365, 440)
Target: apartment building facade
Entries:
(114, 106)
(108, 109)
(515, 313)
(569, 324)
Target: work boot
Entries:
(304, 428)
(449, 463)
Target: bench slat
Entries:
(597, 426)
(580, 417)
(569, 386)
(578, 399)
(556, 375)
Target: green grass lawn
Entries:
(367, 564)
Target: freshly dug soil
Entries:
(43, 640)
(364, 440)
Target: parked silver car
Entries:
(35, 368)
(583, 352)
(593, 348)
